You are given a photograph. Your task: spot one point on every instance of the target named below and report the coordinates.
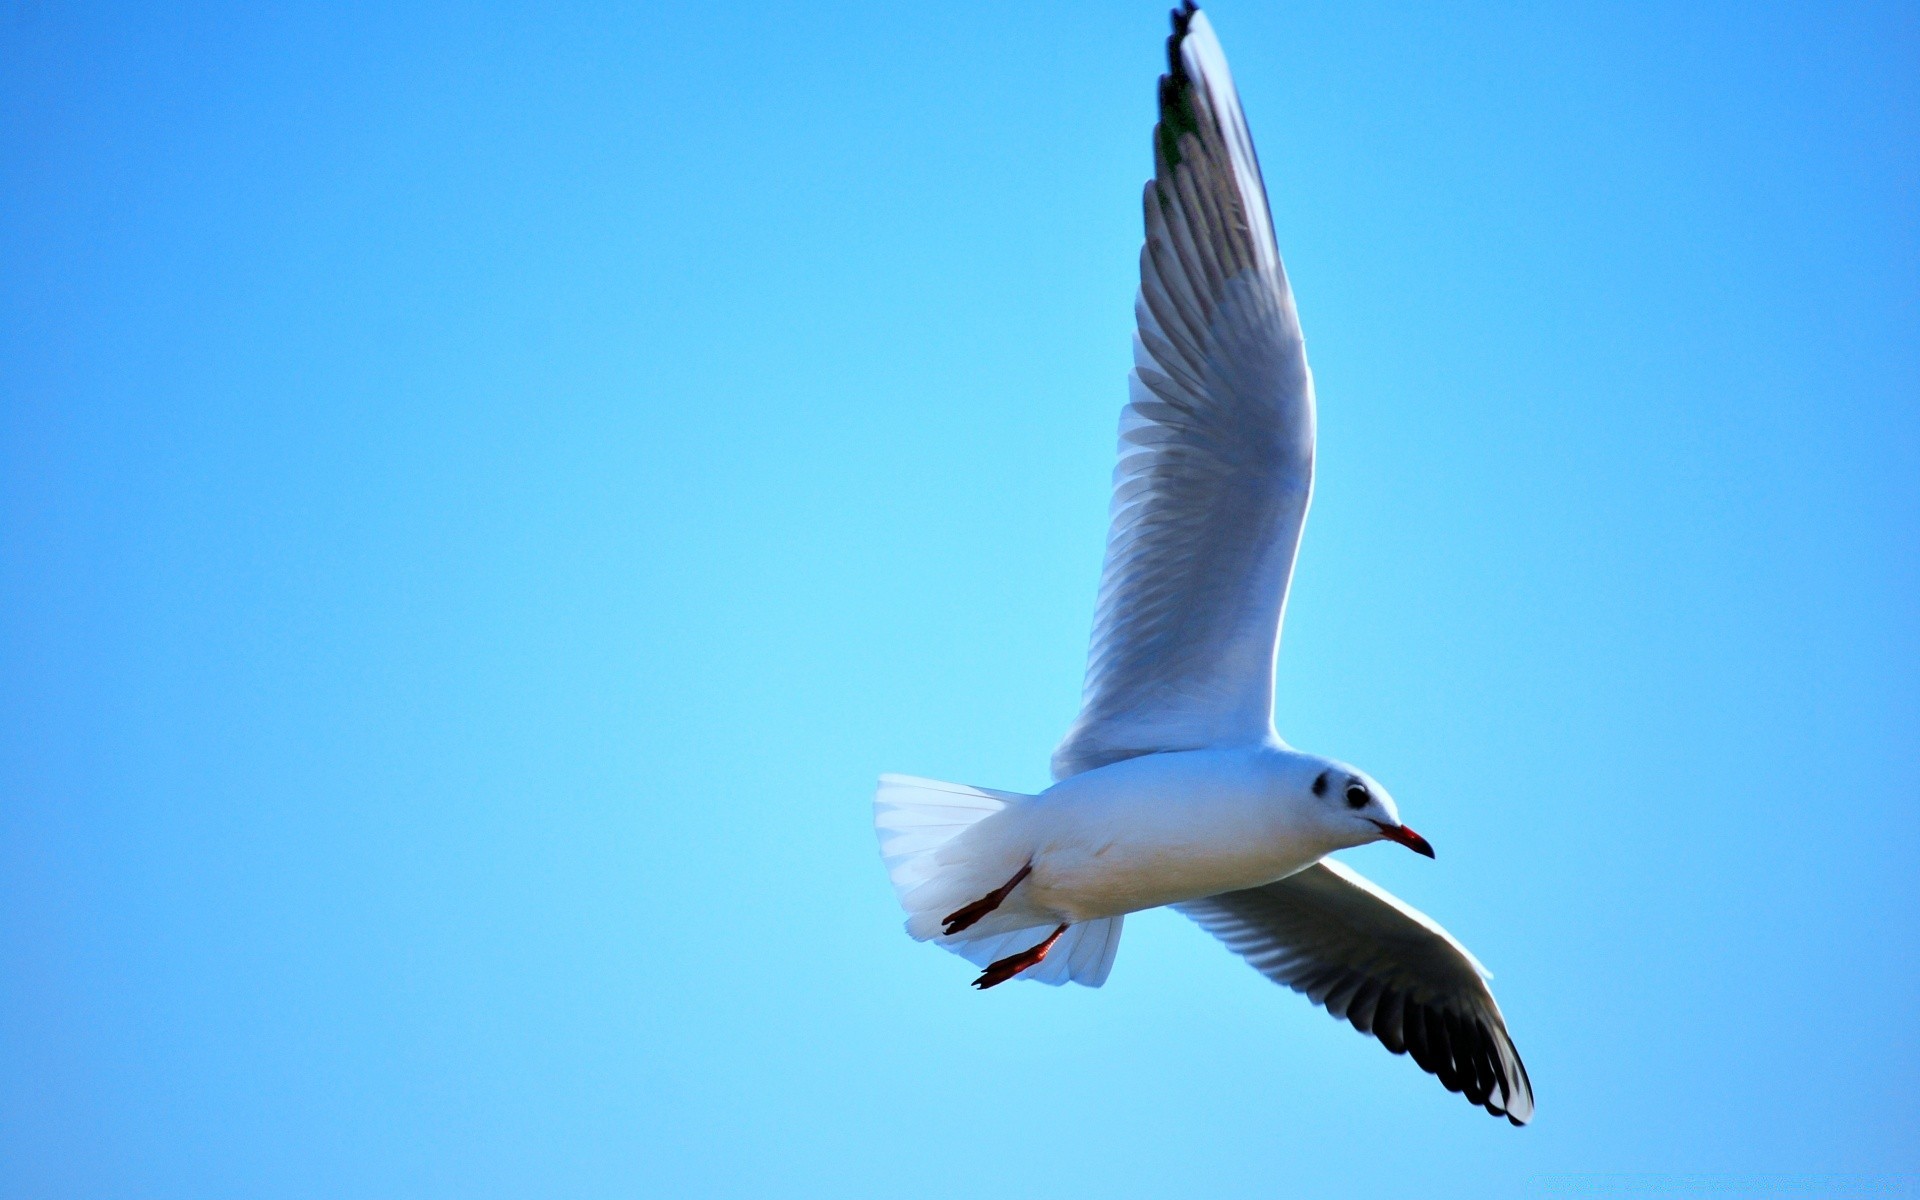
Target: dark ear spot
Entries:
(1320, 785)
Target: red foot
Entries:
(1006, 968)
(962, 918)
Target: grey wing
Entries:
(1216, 445)
(1364, 956)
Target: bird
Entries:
(1172, 787)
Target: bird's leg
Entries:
(1006, 968)
(962, 918)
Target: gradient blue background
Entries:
(485, 492)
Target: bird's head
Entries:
(1354, 806)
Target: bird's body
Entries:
(1143, 832)
(1172, 787)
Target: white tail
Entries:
(935, 872)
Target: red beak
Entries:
(1406, 837)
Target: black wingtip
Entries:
(1182, 17)
(1176, 105)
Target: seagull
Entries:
(1172, 787)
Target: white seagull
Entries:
(1172, 787)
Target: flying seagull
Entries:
(1172, 787)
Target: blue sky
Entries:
(483, 491)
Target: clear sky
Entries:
(484, 491)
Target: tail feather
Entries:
(918, 822)
(915, 817)
(1084, 954)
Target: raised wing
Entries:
(1216, 445)
(1364, 956)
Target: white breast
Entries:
(1161, 829)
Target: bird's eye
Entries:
(1357, 796)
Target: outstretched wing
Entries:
(1216, 445)
(1364, 956)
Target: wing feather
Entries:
(1385, 968)
(1216, 445)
